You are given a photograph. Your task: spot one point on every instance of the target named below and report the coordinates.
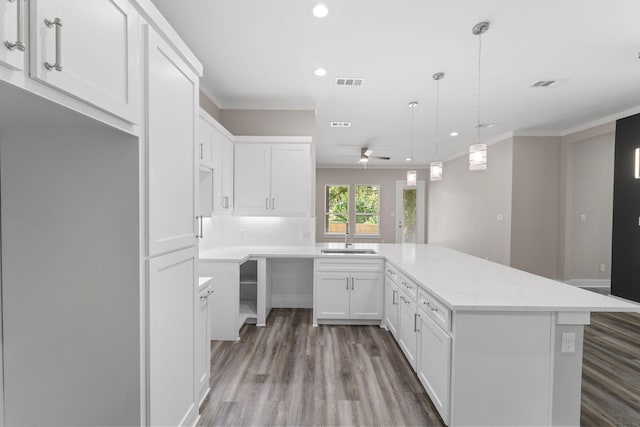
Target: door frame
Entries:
(420, 209)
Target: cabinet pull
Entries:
(226, 202)
(266, 203)
(201, 150)
(57, 22)
(415, 322)
(352, 282)
(205, 296)
(347, 283)
(393, 298)
(200, 233)
(273, 204)
(19, 44)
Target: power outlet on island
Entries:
(568, 342)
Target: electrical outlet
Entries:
(500, 217)
(603, 267)
(583, 218)
(568, 342)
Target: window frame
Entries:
(327, 212)
(351, 214)
(377, 214)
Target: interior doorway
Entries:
(409, 212)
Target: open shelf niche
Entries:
(248, 293)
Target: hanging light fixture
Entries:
(478, 152)
(412, 176)
(436, 167)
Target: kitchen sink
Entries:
(349, 251)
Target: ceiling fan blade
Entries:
(380, 157)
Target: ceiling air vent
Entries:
(544, 83)
(340, 124)
(349, 81)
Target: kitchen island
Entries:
(492, 345)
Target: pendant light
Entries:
(436, 167)
(478, 152)
(412, 176)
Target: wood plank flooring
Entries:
(290, 373)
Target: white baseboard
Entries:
(590, 283)
(291, 301)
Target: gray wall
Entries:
(386, 178)
(269, 122)
(587, 189)
(464, 206)
(209, 106)
(535, 204)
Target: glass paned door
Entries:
(409, 212)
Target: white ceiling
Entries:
(261, 54)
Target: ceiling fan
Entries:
(366, 154)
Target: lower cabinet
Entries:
(172, 302)
(391, 306)
(348, 290)
(434, 363)
(408, 331)
(202, 343)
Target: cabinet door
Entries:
(172, 102)
(172, 294)
(206, 190)
(290, 179)
(408, 325)
(252, 179)
(331, 297)
(366, 296)
(391, 302)
(434, 364)
(13, 33)
(227, 175)
(97, 50)
(205, 147)
(202, 346)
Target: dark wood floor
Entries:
(290, 373)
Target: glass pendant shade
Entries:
(436, 171)
(412, 178)
(478, 157)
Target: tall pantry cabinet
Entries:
(98, 215)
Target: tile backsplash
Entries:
(257, 231)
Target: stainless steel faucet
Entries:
(346, 237)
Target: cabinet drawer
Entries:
(408, 285)
(349, 265)
(435, 309)
(391, 272)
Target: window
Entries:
(336, 212)
(367, 210)
(339, 209)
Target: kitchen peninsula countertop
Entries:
(460, 281)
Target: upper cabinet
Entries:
(273, 179)
(215, 151)
(14, 44)
(172, 116)
(86, 49)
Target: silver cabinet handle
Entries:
(273, 204)
(200, 233)
(347, 283)
(415, 322)
(201, 150)
(19, 44)
(226, 202)
(353, 279)
(266, 203)
(393, 298)
(57, 22)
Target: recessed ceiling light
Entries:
(454, 133)
(320, 72)
(491, 125)
(408, 159)
(320, 10)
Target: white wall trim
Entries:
(273, 139)
(589, 283)
(291, 301)
(602, 120)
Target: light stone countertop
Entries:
(460, 281)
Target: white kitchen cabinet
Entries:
(172, 114)
(348, 290)
(172, 301)
(13, 15)
(434, 363)
(408, 328)
(203, 340)
(206, 187)
(272, 179)
(391, 306)
(331, 299)
(216, 151)
(88, 50)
